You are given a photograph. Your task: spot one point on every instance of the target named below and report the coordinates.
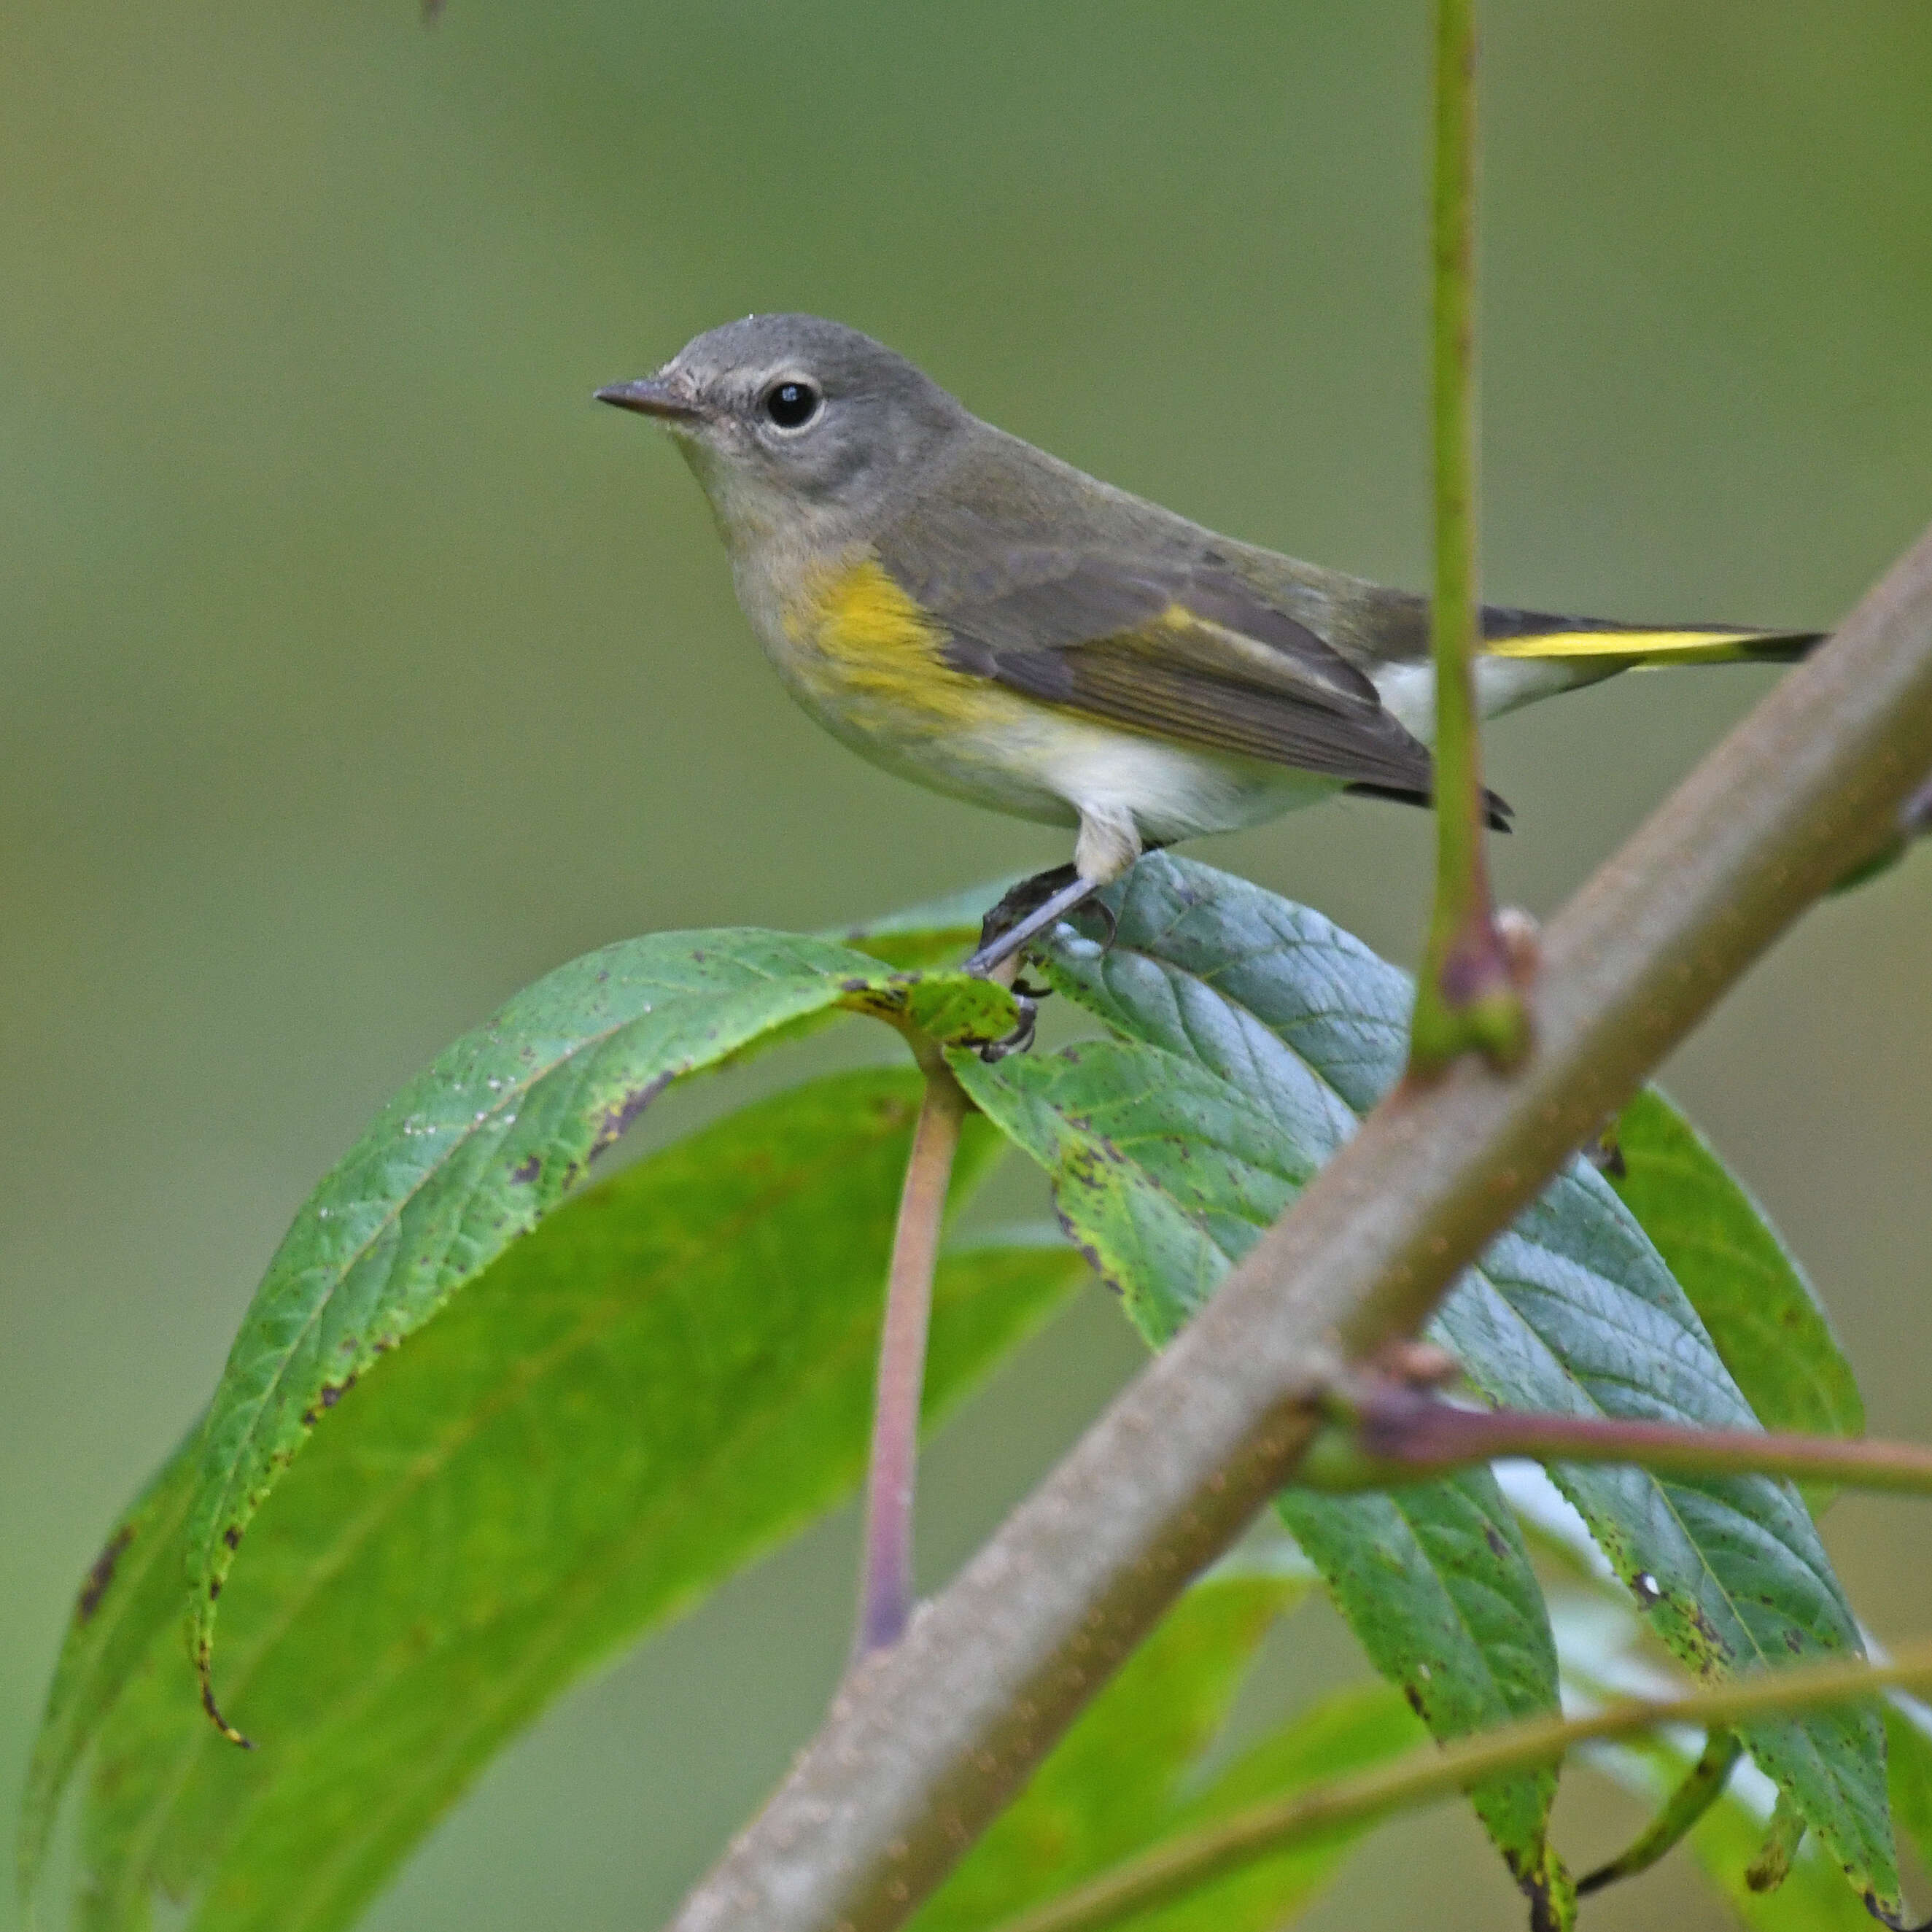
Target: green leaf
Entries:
(1163, 1172)
(478, 1149)
(1105, 1115)
(1784, 1831)
(671, 1373)
(1813, 1896)
(134, 1589)
(1124, 1779)
(1601, 1644)
(1436, 1582)
(1231, 1001)
(1908, 1732)
(935, 934)
(1762, 1314)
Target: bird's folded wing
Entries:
(1193, 655)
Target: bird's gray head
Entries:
(793, 424)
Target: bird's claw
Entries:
(1020, 1038)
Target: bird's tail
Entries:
(1588, 640)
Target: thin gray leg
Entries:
(1037, 921)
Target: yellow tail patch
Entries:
(1643, 647)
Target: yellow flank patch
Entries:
(1652, 646)
(861, 637)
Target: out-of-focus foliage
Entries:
(670, 1374)
(536, 1420)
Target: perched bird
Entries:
(969, 612)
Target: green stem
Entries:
(1397, 1436)
(1467, 996)
(886, 1581)
(1701, 1787)
(1184, 1864)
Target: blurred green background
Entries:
(354, 667)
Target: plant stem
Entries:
(885, 1585)
(1466, 996)
(1398, 1436)
(926, 1741)
(1700, 1788)
(1186, 1862)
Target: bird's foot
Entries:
(1027, 910)
(1027, 999)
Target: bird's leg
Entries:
(999, 941)
(1023, 898)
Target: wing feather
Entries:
(1191, 655)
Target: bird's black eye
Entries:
(791, 404)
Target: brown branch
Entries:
(1396, 1436)
(927, 1740)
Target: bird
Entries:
(969, 612)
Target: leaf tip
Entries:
(235, 1737)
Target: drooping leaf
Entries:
(1600, 1645)
(134, 1589)
(1211, 980)
(1908, 1732)
(478, 1148)
(1435, 1582)
(1762, 1314)
(1813, 1896)
(1163, 1171)
(673, 1371)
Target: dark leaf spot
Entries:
(525, 1172)
(102, 1574)
(621, 1112)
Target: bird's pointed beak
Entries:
(652, 396)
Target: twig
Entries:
(1697, 1792)
(1466, 996)
(1397, 1435)
(885, 1585)
(1185, 1863)
(928, 1740)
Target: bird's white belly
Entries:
(1062, 770)
(891, 699)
